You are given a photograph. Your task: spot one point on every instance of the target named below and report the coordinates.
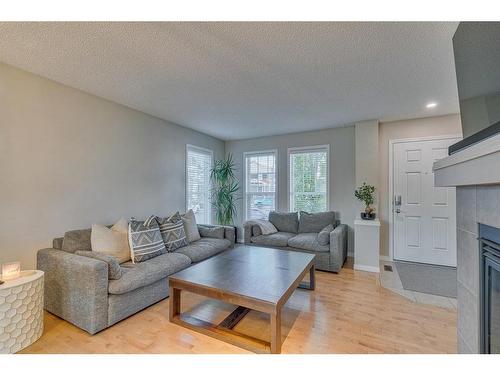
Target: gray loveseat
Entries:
(79, 290)
(301, 234)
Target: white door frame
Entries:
(392, 142)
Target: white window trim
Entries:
(276, 175)
(207, 150)
(294, 150)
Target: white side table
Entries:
(21, 311)
(366, 245)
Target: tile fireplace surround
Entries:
(475, 204)
(476, 174)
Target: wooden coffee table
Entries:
(253, 278)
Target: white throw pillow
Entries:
(111, 241)
(190, 227)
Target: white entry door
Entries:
(424, 219)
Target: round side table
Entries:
(21, 311)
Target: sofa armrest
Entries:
(76, 288)
(247, 232)
(251, 230)
(229, 231)
(338, 247)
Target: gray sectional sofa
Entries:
(300, 233)
(79, 288)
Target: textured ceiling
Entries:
(240, 80)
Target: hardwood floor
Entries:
(348, 312)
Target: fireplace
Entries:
(489, 238)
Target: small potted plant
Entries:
(365, 194)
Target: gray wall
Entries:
(342, 166)
(70, 159)
(367, 158)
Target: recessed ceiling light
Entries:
(431, 105)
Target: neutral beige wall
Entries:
(342, 166)
(367, 158)
(70, 159)
(426, 127)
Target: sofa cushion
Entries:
(77, 240)
(114, 269)
(211, 232)
(172, 231)
(307, 241)
(137, 275)
(145, 239)
(279, 239)
(313, 223)
(190, 227)
(324, 234)
(57, 243)
(204, 248)
(285, 221)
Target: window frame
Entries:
(305, 149)
(190, 147)
(245, 176)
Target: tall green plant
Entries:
(225, 188)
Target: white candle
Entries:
(11, 270)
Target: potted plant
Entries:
(365, 194)
(225, 187)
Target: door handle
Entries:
(398, 211)
(397, 200)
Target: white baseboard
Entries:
(361, 267)
(381, 257)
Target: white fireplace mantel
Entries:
(476, 165)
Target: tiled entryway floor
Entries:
(391, 281)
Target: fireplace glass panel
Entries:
(489, 238)
(494, 299)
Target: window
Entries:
(198, 164)
(260, 184)
(308, 182)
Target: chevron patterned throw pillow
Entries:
(172, 232)
(145, 239)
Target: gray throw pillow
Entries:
(190, 226)
(145, 239)
(211, 232)
(256, 231)
(77, 240)
(172, 232)
(324, 235)
(114, 269)
(313, 223)
(285, 221)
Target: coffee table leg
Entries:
(312, 277)
(312, 280)
(276, 331)
(174, 303)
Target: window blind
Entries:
(198, 164)
(308, 179)
(260, 184)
